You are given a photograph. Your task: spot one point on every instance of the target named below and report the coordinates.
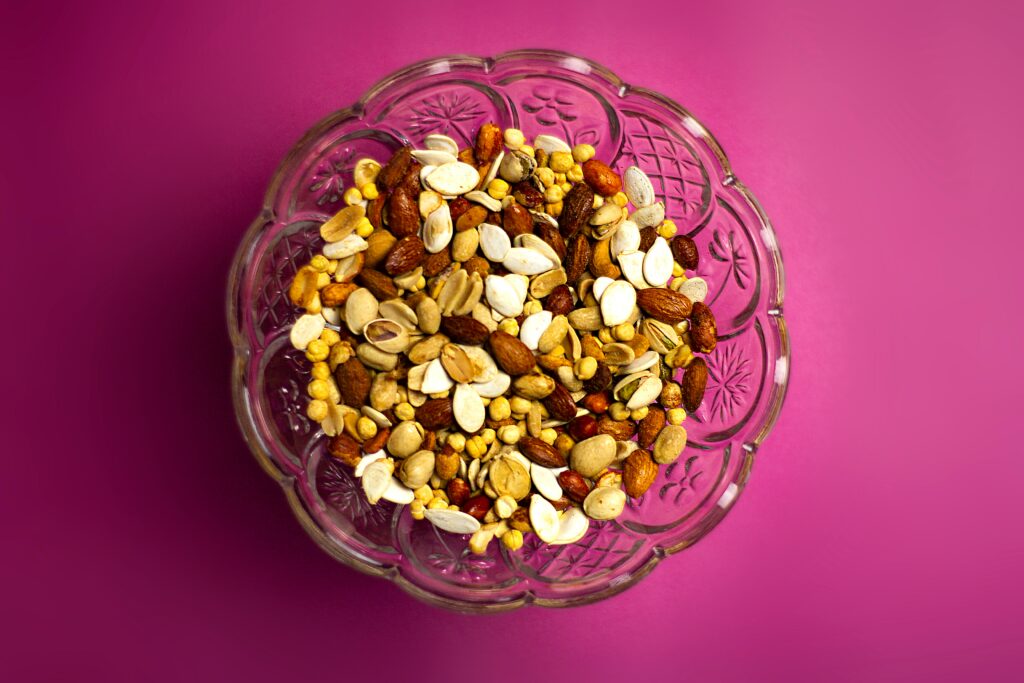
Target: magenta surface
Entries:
(880, 535)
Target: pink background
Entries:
(881, 536)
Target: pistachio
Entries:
(590, 456)
(669, 444)
(415, 470)
(617, 353)
(387, 335)
(650, 216)
(405, 439)
(516, 167)
(662, 336)
(695, 289)
(604, 502)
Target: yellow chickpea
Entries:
(497, 188)
(416, 509)
(548, 435)
(583, 153)
(437, 504)
(509, 326)
(575, 174)
(366, 428)
(500, 409)
(528, 150)
(560, 162)
(509, 434)
(369, 191)
(639, 413)
(554, 209)
(586, 367)
(457, 441)
(352, 196)
(618, 411)
(404, 411)
(624, 332)
(321, 370)
(553, 194)
(620, 198)
(512, 539)
(519, 405)
(531, 307)
(546, 176)
(317, 350)
(364, 228)
(675, 416)
(319, 389)
(317, 410)
(330, 337)
(319, 263)
(423, 494)
(487, 436)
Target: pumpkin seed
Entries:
(638, 187)
(436, 379)
(483, 199)
(632, 265)
(524, 261)
(502, 296)
(545, 481)
(468, 408)
(543, 518)
(658, 263)
(549, 143)
(617, 303)
(695, 289)
(494, 242)
(441, 143)
(650, 216)
(433, 157)
(452, 521)
(626, 238)
(453, 178)
(572, 527)
(438, 229)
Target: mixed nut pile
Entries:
(491, 327)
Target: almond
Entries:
(560, 404)
(559, 301)
(542, 453)
(512, 355)
(335, 294)
(664, 304)
(354, 382)
(650, 427)
(488, 143)
(684, 251)
(577, 257)
(601, 380)
(344, 448)
(703, 330)
(380, 285)
(620, 430)
(378, 246)
(695, 380)
(551, 236)
(407, 253)
(573, 485)
(464, 329)
(516, 220)
(601, 177)
(577, 207)
(403, 213)
(647, 238)
(435, 263)
(436, 413)
(394, 171)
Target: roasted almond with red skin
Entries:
(601, 380)
(647, 237)
(601, 178)
(512, 355)
(407, 253)
(542, 453)
(435, 413)
(464, 330)
(684, 251)
(375, 210)
(403, 213)
(516, 220)
(457, 207)
(577, 206)
(620, 430)
(380, 285)
(458, 491)
(638, 473)
(664, 304)
(560, 404)
(477, 506)
(336, 293)
(446, 462)
(344, 448)
(551, 236)
(478, 265)
(577, 257)
(471, 218)
(703, 329)
(650, 427)
(488, 143)
(695, 380)
(559, 301)
(394, 171)
(573, 485)
(527, 195)
(435, 263)
(377, 441)
(353, 382)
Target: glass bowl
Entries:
(582, 102)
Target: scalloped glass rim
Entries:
(260, 440)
